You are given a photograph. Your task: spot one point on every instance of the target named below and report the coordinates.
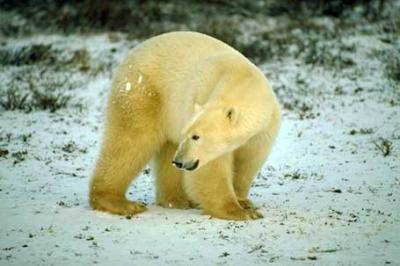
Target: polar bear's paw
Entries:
(118, 206)
(254, 214)
(236, 212)
(242, 214)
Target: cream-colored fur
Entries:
(188, 98)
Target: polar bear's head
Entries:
(211, 132)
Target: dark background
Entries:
(223, 19)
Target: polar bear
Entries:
(204, 112)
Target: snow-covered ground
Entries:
(329, 192)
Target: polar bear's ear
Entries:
(197, 107)
(232, 114)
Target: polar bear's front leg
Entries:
(211, 187)
(169, 183)
(248, 160)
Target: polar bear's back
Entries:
(180, 46)
(173, 53)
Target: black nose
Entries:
(177, 164)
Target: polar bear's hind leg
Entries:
(133, 136)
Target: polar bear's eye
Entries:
(195, 137)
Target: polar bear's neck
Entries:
(246, 88)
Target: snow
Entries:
(328, 197)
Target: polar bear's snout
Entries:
(189, 166)
(181, 162)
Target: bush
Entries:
(29, 92)
(27, 55)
